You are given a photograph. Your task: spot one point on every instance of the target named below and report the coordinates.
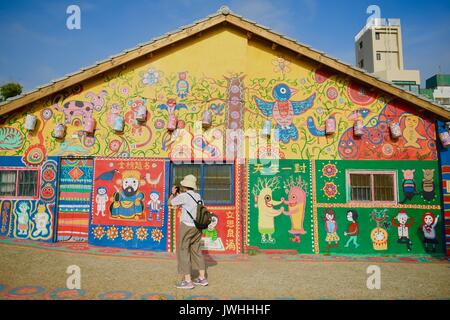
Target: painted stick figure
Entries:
(101, 200)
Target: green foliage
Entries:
(9, 90)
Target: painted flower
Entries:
(281, 65)
(127, 233)
(115, 145)
(330, 189)
(159, 124)
(112, 233)
(319, 110)
(332, 93)
(181, 151)
(47, 113)
(124, 91)
(329, 170)
(151, 77)
(141, 233)
(270, 153)
(157, 235)
(387, 149)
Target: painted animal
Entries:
(428, 192)
(409, 185)
(83, 108)
(359, 113)
(283, 110)
(296, 202)
(107, 176)
(410, 133)
(171, 106)
(153, 182)
(262, 193)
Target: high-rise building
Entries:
(379, 50)
(439, 86)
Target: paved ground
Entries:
(38, 271)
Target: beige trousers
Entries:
(189, 253)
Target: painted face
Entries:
(408, 174)
(282, 92)
(411, 121)
(402, 219)
(329, 217)
(154, 196)
(349, 216)
(428, 220)
(130, 186)
(23, 206)
(101, 191)
(348, 148)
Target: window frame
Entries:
(16, 196)
(377, 36)
(393, 173)
(201, 182)
(378, 56)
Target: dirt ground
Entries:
(261, 276)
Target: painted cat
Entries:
(428, 192)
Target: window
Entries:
(215, 181)
(19, 183)
(378, 56)
(360, 44)
(361, 63)
(364, 186)
(377, 36)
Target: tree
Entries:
(9, 90)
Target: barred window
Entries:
(372, 186)
(19, 183)
(215, 182)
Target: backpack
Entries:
(203, 217)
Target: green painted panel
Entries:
(274, 227)
(366, 225)
(332, 188)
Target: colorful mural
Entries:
(225, 233)
(444, 157)
(74, 204)
(32, 217)
(280, 212)
(377, 228)
(301, 204)
(129, 206)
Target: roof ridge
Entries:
(226, 12)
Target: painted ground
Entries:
(31, 270)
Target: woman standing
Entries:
(189, 254)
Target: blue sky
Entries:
(36, 46)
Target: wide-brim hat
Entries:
(189, 181)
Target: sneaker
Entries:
(201, 282)
(185, 285)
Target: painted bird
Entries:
(283, 110)
(107, 176)
(171, 106)
(313, 129)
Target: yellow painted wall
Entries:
(211, 62)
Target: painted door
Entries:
(76, 180)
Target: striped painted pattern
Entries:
(446, 197)
(74, 199)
